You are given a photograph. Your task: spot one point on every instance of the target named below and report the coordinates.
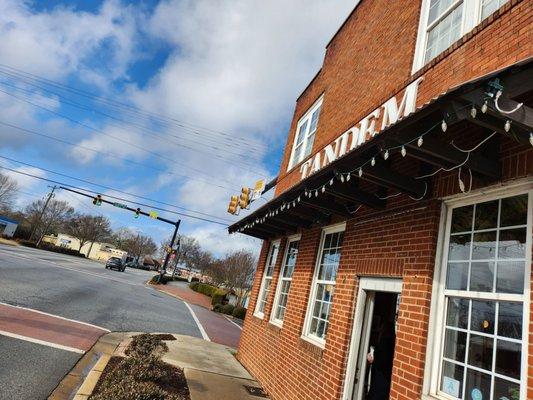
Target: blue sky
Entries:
(179, 101)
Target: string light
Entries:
(507, 126)
(331, 182)
(420, 141)
(316, 193)
(373, 161)
(484, 107)
(444, 126)
(386, 154)
(360, 172)
(403, 151)
(473, 112)
(342, 178)
(348, 177)
(531, 138)
(323, 189)
(298, 199)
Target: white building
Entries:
(8, 226)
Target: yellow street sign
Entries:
(153, 214)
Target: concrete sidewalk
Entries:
(211, 370)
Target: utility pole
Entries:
(49, 197)
(164, 267)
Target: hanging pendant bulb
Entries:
(507, 126)
(373, 161)
(444, 126)
(323, 189)
(484, 107)
(462, 185)
(360, 172)
(342, 178)
(420, 141)
(331, 182)
(473, 112)
(403, 151)
(298, 199)
(316, 193)
(349, 176)
(386, 154)
(293, 203)
(531, 138)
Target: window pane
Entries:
(455, 345)
(484, 246)
(477, 385)
(510, 320)
(514, 211)
(510, 277)
(301, 132)
(452, 379)
(480, 352)
(462, 219)
(457, 276)
(437, 7)
(314, 120)
(309, 145)
(457, 313)
(486, 215)
(512, 243)
(446, 32)
(506, 390)
(482, 319)
(508, 358)
(459, 247)
(482, 276)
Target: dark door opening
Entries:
(381, 343)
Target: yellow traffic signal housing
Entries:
(244, 199)
(233, 204)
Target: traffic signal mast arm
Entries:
(123, 206)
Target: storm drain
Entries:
(255, 391)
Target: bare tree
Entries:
(139, 245)
(52, 220)
(238, 272)
(8, 192)
(190, 252)
(88, 228)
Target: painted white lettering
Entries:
(342, 143)
(315, 166)
(304, 168)
(329, 154)
(392, 113)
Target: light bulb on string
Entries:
(403, 151)
(444, 126)
(298, 199)
(531, 138)
(360, 172)
(342, 178)
(373, 161)
(348, 177)
(316, 193)
(386, 154)
(484, 107)
(507, 126)
(420, 141)
(473, 112)
(323, 189)
(331, 182)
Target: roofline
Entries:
(344, 22)
(309, 84)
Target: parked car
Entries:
(134, 264)
(115, 263)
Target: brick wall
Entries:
(358, 75)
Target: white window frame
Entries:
(435, 342)
(306, 117)
(281, 279)
(471, 17)
(341, 227)
(274, 246)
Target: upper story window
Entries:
(443, 22)
(305, 134)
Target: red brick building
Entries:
(402, 220)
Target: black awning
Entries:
(335, 190)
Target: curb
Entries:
(87, 387)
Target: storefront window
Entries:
(483, 338)
(285, 279)
(305, 134)
(267, 279)
(324, 283)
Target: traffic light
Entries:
(97, 201)
(244, 199)
(233, 204)
(137, 212)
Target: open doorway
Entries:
(373, 341)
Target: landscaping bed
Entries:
(142, 375)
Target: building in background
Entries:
(95, 251)
(401, 227)
(8, 226)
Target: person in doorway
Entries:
(381, 361)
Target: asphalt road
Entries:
(81, 290)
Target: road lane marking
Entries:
(42, 342)
(200, 327)
(234, 323)
(56, 316)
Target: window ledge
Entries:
(260, 316)
(320, 345)
(278, 324)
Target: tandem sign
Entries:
(390, 112)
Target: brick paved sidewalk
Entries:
(182, 290)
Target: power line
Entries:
(141, 148)
(109, 154)
(20, 74)
(112, 197)
(110, 188)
